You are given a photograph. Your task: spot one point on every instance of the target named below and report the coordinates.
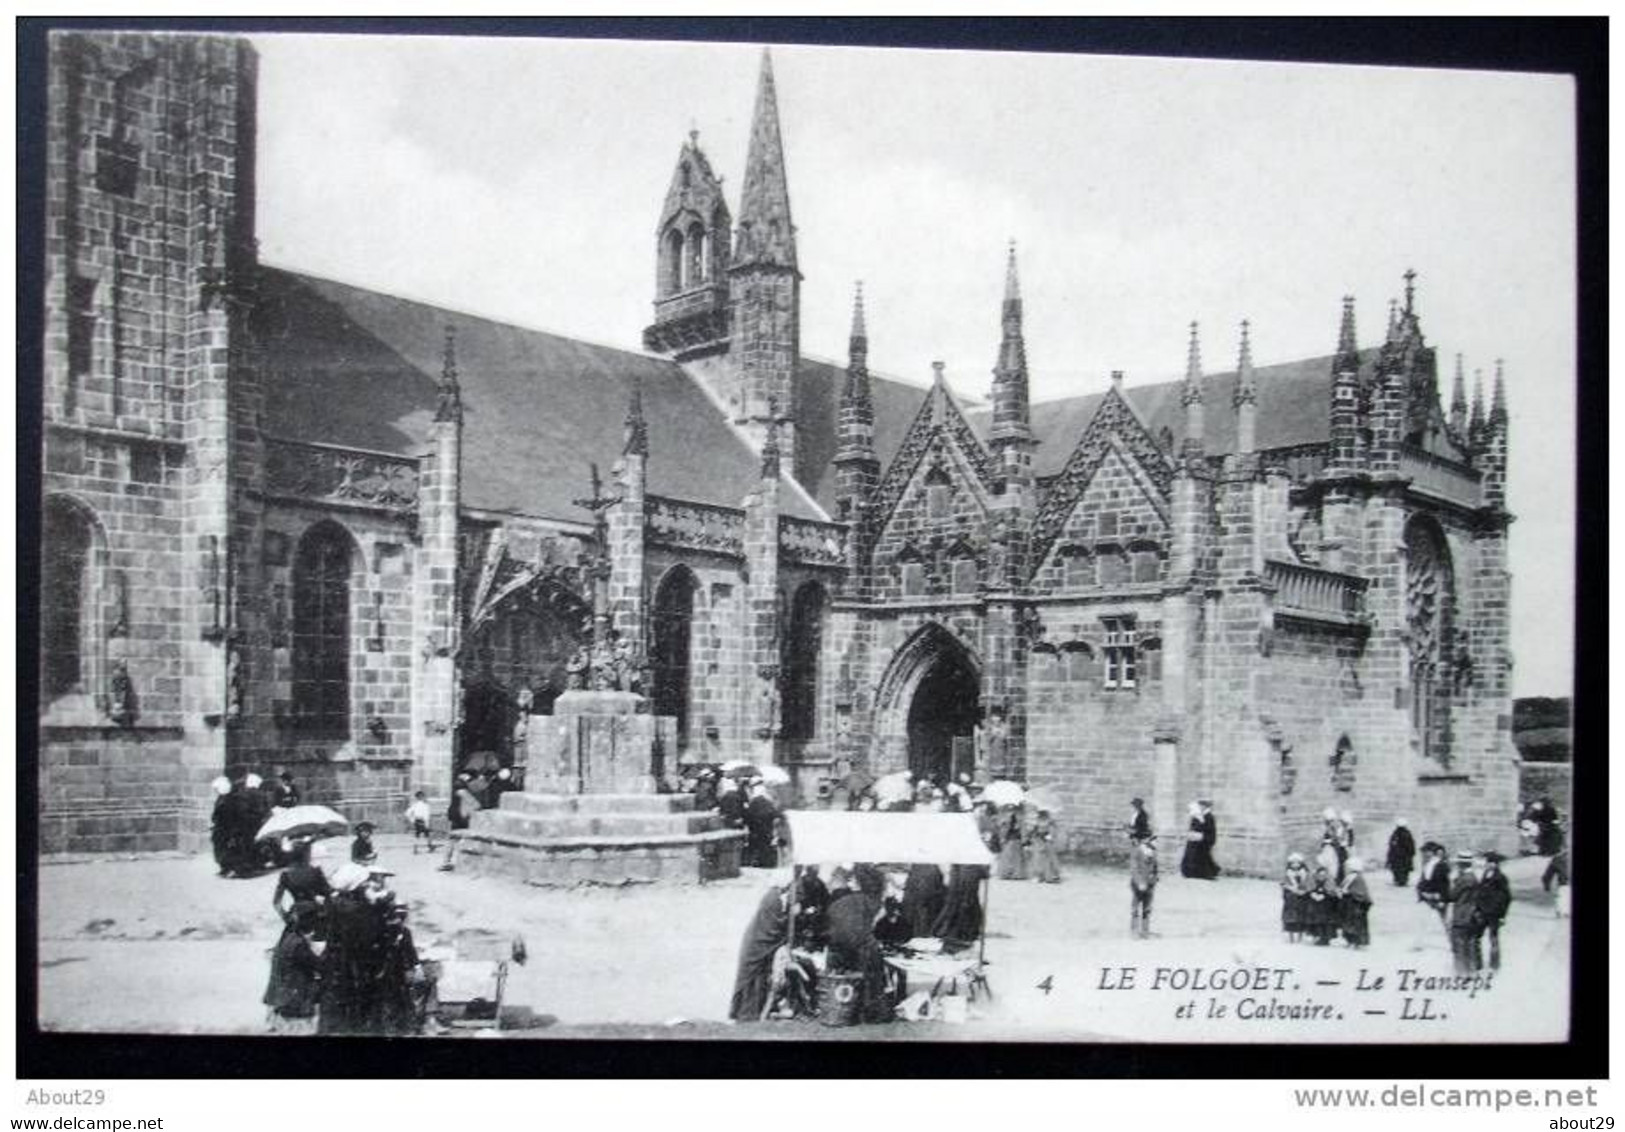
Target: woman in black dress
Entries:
(924, 895)
(301, 883)
(767, 932)
(294, 986)
(1190, 864)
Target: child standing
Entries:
(1355, 899)
(1295, 897)
(1142, 883)
(417, 814)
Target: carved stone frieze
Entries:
(814, 543)
(332, 475)
(694, 526)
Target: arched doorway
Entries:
(942, 719)
(671, 630)
(928, 706)
(515, 663)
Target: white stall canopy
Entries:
(824, 837)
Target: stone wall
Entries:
(149, 207)
(367, 771)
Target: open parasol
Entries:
(896, 787)
(1044, 798)
(1004, 793)
(775, 775)
(738, 768)
(297, 822)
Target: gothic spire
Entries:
(1393, 320)
(765, 234)
(1192, 393)
(857, 391)
(1246, 388)
(1498, 399)
(636, 429)
(1348, 352)
(449, 406)
(1458, 400)
(1476, 424)
(1010, 394)
(1246, 398)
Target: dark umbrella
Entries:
(484, 761)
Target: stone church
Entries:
(290, 523)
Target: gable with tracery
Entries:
(932, 539)
(1105, 516)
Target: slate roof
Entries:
(1294, 407)
(818, 402)
(349, 366)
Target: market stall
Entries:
(939, 968)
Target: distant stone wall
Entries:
(1548, 780)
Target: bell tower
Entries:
(691, 261)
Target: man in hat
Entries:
(1494, 898)
(1139, 822)
(362, 850)
(705, 790)
(286, 791)
(1142, 884)
(1433, 887)
(731, 804)
(1466, 928)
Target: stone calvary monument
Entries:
(590, 811)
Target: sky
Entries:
(522, 180)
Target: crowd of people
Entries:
(345, 962)
(1329, 898)
(839, 934)
(243, 801)
(1023, 837)
(744, 803)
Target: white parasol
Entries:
(1004, 793)
(296, 822)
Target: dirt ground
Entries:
(163, 945)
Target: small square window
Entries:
(1080, 570)
(1120, 653)
(118, 166)
(146, 463)
(913, 576)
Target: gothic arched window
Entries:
(803, 644)
(672, 629)
(67, 594)
(1343, 763)
(673, 280)
(321, 632)
(1429, 612)
(695, 272)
